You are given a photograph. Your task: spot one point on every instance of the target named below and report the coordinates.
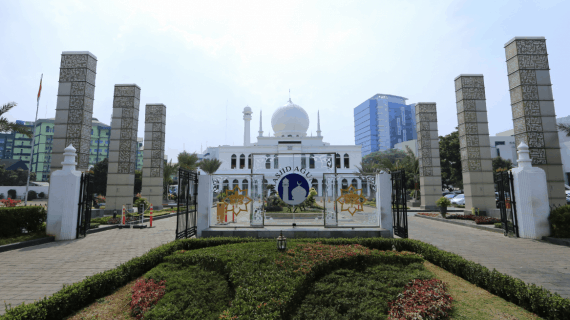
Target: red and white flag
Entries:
(40, 91)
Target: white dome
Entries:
(290, 120)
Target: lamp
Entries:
(281, 242)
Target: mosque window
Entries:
(303, 161)
(354, 183)
(267, 161)
(275, 161)
(235, 183)
(225, 185)
(344, 184)
(249, 161)
(346, 161)
(290, 136)
(337, 161)
(242, 161)
(234, 160)
(312, 161)
(244, 184)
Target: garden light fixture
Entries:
(281, 242)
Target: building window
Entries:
(499, 143)
(234, 159)
(337, 161)
(267, 161)
(275, 161)
(498, 152)
(249, 161)
(303, 161)
(242, 161)
(354, 183)
(346, 161)
(244, 185)
(312, 161)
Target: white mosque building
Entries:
(289, 146)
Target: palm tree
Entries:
(168, 172)
(564, 128)
(367, 168)
(6, 125)
(187, 160)
(210, 166)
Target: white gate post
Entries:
(531, 197)
(63, 200)
(205, 198)
(384, 201)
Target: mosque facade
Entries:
(289, 148)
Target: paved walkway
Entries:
(34, 272)
(533, 261)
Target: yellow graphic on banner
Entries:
(351, 200)
(237, 201)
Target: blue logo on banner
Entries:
(293, 189)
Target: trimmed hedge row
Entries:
(79, 295)
(14, 219)
(560, 220)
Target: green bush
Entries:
(1, 196)
(42, 195)
(14, 219)
(102, 220)
(140, 200)
(94, 225)
(32, 195)
(443, 202)
(12, 194)
(560, 221)
(79, 295)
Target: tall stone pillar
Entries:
(153, 158)
(532, 104)
(476, 163)
(74, 108)
(123, 146)
(428, 144)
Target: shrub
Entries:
(32, 195)
(145, 294)
(42, 195)
(140, 200)
(443, 202)
(274, 209)
(423, 299)
(1, 196)
(13, 220)
(12, 194)
(559, 219)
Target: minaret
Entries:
(318, 124)
(260, 126)
(246, 118)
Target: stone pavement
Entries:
(34, 272)
(533, 261)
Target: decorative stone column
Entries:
(428, 144)
(531, 197)
(63, 198)
(123, 146)
(153, 157)
(532, 104)
(74, 108)
(476, 162)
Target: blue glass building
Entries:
(382, 121)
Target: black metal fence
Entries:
(186, 211)
(507, 203)
(399, 209)
(85, 202)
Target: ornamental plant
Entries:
(421, 299)
(10, 202)
(145, 294)
(443, 202)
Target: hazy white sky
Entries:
(196, 57)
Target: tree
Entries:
(450, 158)
(14, 177)
(210, 166)
(503, 164)
(412, 168)
(187, 160)
(564, 128)
(138, 181)
(99, 172)
(388, 160)
(169, 170)
(6, 125)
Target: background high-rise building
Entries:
(383, 121)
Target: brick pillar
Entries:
(74, 107)
(428, 145)
(153, 158)
(123, 146)
(474, 143)
(534, 118)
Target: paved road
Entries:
(533, 261)
(34, 272)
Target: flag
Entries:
(40, 91)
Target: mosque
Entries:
(289, 148)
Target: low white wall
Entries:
(21, 191)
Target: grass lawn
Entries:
(23, 237)
(310, 281)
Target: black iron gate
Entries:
(186, 211)
(85, 203)
(399, 209)
(507, 203)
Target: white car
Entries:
(458, 199)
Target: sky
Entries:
(207, 60)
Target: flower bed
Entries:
(422, 299)
(477, 219)
(428, 214)
(146, 294)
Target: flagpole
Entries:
(33, 140)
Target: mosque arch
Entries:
(234, 160)
(346, 161)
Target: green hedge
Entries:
(81, 294)
(13, 219)
(560, 221)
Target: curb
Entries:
(461, 224)
(24, 244)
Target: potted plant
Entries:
(443, 203)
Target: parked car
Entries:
(458, 199)
(450, 196)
